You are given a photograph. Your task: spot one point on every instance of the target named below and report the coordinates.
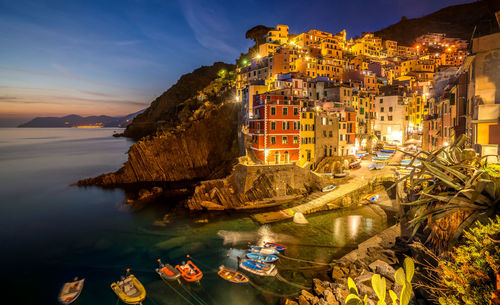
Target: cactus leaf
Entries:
(352, 286)
(394, 297)
(409, 269)
(378, 285)
(405, 295)
(400, 276)
(353, 299)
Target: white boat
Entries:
(258, 268)
(328, 188)
(71, 291)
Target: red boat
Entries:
(189, 271)
(276, 246)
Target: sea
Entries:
(52, 231)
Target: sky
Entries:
(114, 57)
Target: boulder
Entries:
(318, 287)
(303, 301)
(383, 268)
(309, 296)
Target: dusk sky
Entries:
(114, 57)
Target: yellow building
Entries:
(278, 35)
(307, 137)
(416, 111)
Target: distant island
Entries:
(76, 121)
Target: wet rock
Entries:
(383, 268)
(290, 302)
(303, 301)
(307, 294)
(337, 273)
(300, 218)
(318, 287)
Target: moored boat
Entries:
(232, 276)
(129, 289)
(70, 291)
(372, 197)
(276, 246)
(263, 250)
(372, 166)
(379, 166)
(355, 164)
(167, 271)
(258, 268)
(341, 175)
(189, 271)
(328, 188)
(264, 258)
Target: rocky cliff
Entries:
(202, 148)
(456, 21)
(177, 103)
(254, 186)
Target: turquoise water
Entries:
(51, 231)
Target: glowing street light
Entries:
(258, 56)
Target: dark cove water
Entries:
(51, 231)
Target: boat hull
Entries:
(263, 250)
(265, 258)
(71, 291)
(128, 298)
(276, 246)
(190, 272)
(258, 268)
(232, 276)
(168, 272)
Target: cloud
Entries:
(209, 27)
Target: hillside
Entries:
(74, 120)
(456, 21)
(177, 103)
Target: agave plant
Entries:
(452, 188)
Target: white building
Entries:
(391, 121)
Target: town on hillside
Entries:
(311, 95)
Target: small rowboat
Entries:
(341, 175)
(71, 291)
(372, 197)
(263, 250)
(258, 268)
(328, 188)
(167, 271)
(379, 166)
(129, 290)
(372, 166)
(355, 164)
(189, 271)
(276, 246)
(232, 276)
(264, 258)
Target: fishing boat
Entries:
(232, 276)
(372, 166)
(379, 166)
(328, 188)
(71, 291)
(372, 197)
(263, 250)
(355, 164)
(129, 289)
(258, 268)
(264, 258)
(276, 246)
(387, 150)
(189, 271)
(167, 271)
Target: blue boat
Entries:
(263, 250)
(258, 268)
(389, 151)
(263, 258)
(276, 246)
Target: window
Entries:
(389, 118)
(310, 115)
(304, 115)
(381, 101)
(343, 126)
(284, 140)
(324, 133)
(285, 110)
(330, 134)
(273, 125)
(284, 125)
(295, 111)
(381, 109)
(382, 118)
(273, 140)
(273, 110)
(295, 140)
(341, 137)
(390, 109)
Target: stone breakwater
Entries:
(376, 255)
(254, 186)
(200, 149)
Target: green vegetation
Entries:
(450, 189)
(403, 277)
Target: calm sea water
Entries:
(51, 231)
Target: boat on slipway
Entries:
(262, 269)
(167, 271)
(328, 188)
(71, 291)
(129, 289)
(263, 250)
(264, 258)
(189, 271)
(232, 276)
(372, 197)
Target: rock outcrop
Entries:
(203, 148)
(250, 186)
